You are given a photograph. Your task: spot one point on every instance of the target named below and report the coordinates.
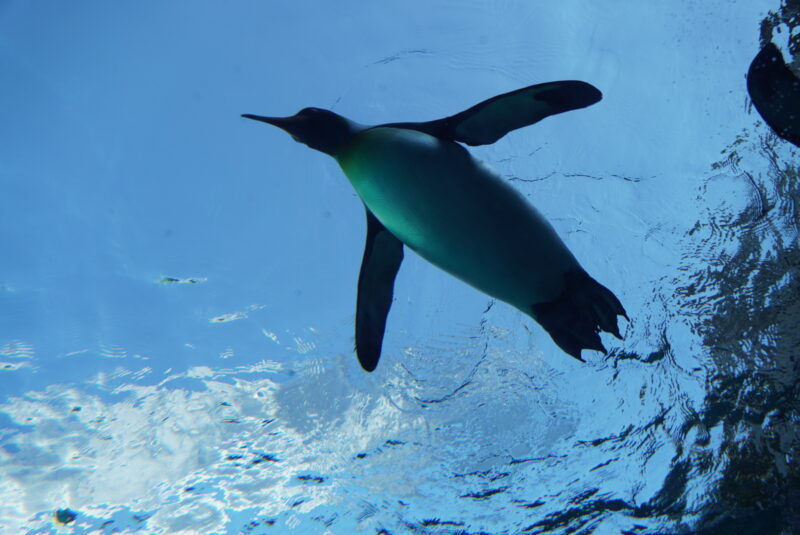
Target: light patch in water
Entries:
(272, 336)
(17, 349)
(233, 316)
(304, 346)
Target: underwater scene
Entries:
(443, 268)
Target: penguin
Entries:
(775, 92)
(422, 189)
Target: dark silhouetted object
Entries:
(775, 92)
(422, 189)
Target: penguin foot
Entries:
(575, 317)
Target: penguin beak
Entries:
(291, 125)
(283, 123)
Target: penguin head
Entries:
(322, 130)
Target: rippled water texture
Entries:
(175, 301)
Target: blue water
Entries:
(177, 284)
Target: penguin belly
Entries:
(458, 214)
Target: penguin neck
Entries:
(335, 142)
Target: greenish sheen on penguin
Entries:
(422, 189)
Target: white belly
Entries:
(458, 214)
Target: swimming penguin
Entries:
(775, 92)
(422, 188)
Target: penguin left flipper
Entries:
(490, 120)
(383, 254)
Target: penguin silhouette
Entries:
(422, 188)
(775, 92)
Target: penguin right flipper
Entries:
(490, 120)
(575, 317)
(383, 254)
(775, 92)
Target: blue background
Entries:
(124, 163)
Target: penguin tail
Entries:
(584, 308)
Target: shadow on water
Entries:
(754, 342)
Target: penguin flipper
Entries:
(490, 120)
(575, 317)
(383, 254)
(775, 92)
